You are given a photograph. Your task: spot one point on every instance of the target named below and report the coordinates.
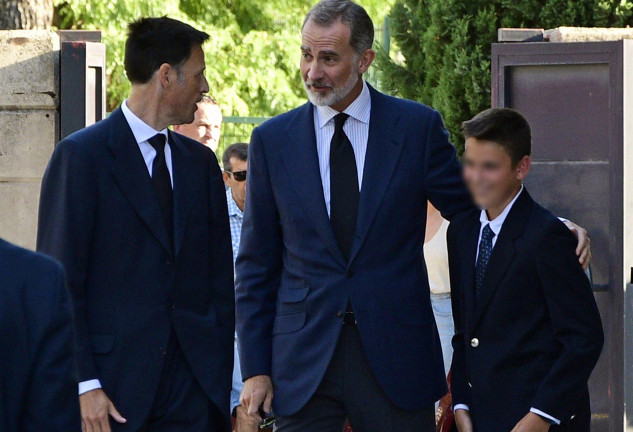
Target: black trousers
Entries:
(350, 391)
(180, 403)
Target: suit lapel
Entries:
(467, 259)
(185, 187)
(503, 253)
(299, 153)
(130, 173)
(383, 151)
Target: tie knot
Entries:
(339, 121)
(158, 142)
(487, 233)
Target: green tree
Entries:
(445, 46)
(252, 55)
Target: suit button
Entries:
(349, 274)
(169, 262)
(173, 306)
(162, 351)
(474, 342)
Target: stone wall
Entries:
(29, 124)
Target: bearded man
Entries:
(333, 307)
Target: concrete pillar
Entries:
(29, 124)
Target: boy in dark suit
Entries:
(528, 331)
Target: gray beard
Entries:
(337, 94)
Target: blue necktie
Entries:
(485, 249)
(162, 180)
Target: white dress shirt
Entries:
(357, 130)
(495, 225)
(142, 132)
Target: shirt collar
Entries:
(497, 223)
(234, 210)
(141, 130)
(360, 109)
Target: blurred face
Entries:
(238, 188)
(489, 174)
(330, 68)
(205, 127)
(185, 87)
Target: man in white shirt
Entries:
(528, 331)
(137, 215)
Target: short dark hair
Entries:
(238, 150)
(154, 41)
(327, 12)
(504, 126)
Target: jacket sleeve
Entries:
(575, 319)
(443, 180)
(459, 382)
(258, 266)
(221, 260)
(65, 228)
(52, 402)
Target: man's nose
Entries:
(315, 71)
(205, 85)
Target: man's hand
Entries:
(95, 409)
(583, 250)
(532, 423)
(257, 393)
(244, 422)
(463, 421)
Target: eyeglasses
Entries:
(239, 176)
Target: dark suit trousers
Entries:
(350, 391)
(180, 403)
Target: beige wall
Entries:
(29, 100)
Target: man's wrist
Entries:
(89, 385)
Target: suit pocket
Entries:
(289, 323)
(294, 295)
(101, 343)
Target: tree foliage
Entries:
(252, 56)
(445, 46)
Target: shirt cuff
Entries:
(562, 219)
(545, 416)
(461, 407)
(86, 386)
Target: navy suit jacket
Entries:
(38, 390)
(100, 216)
(536, 324)
(292, 279)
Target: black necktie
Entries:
(344, 191)
(485, 249)
(162, 180)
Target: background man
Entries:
(38, 390)
(234, 161)
(527, 325)
(206, 127)
(332, 297)
(138, 217)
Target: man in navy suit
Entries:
(38, 391)
(138, 217)
(333, 307)
(528, 331)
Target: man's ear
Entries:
(225, 177)
(165, 74)
(365, 60)
(523, 167)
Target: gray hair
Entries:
(327, 12)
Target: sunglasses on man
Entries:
(239, 176)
